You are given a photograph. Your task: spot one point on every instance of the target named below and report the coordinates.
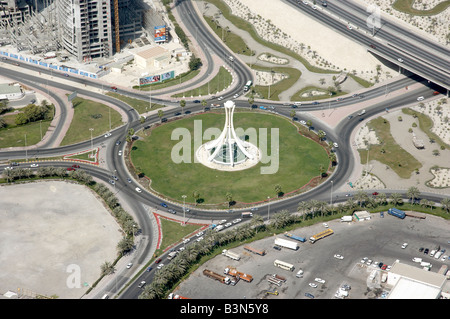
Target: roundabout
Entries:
(289, 159)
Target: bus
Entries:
(283, 265)
(247, 86)
(247, 215)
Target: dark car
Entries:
(307, 294)
(196, 101)
(65, 74)
(426, 251)
(164, 205)
(164, 119)
(158, 261)
(118, 143)
(315, 103)
(372, 46)
(149, 268)
(421, 249)
(276, 247)
(380, 265)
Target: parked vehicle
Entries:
(238, 274)
(231, 254)
(346, 218)
(211, 274)
(396, 212)
(286, 243)
(301, 239)
(283, 265)
(255, 251)
(321, 235)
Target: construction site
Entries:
(92, 36)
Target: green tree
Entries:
(413, 193)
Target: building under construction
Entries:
(83, 29)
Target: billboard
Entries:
(156, 78)
(160, 33)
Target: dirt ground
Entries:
(54, 236)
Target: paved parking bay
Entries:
(379, 239)
(54, 236)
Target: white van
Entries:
(298, 103)
(299, 274)
(105, 296)
(417, 260)
(231, 58)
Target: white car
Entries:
(320, 280)
(400, 60)
(236, 95)
(222, 221)
(338, 256)
(186, 240)
(200, 239)
(335, 145)
(34, 165)
(120, 153)
(305, 2)
(404, 245)
(420, 98)
(369, 262)
(349, 27)
(325, 225)
(313, 285)
(228, 224)
(200, 234)
(138, 190)
(108, 134)
(303, 122)
(142, 284)
(444, 258)
(236, 221)
(160, 266)
(314, 7)
(220, 98)
(129, 265)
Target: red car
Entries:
(158, 261)
(70, 169)
(375, 193)
(435, 93)
(384, 267)
(76, 166)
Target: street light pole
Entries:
(92, 145)
(331, 197)
(184, 209)
(268, 209)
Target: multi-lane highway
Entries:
(210, 45)
(392, 42)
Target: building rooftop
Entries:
(411, 289)
(418, 274)
(152, 52)
(6, 88)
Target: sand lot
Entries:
(54, 236)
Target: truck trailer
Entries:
(321, 235)
(255, 251)
(231, 254)
(286, 243)
(211, 274)
(396, 212)
(346, 218)
(238, 274)
(301, 239)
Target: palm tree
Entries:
(182, 105)
(303, 208)
(381, 197)
(204, 103)
(292, 114)
(160, 115)
(278, 190)
(413, 193)
(321, 134)
(107, 268)
(396, 198)
(309, 124)
(361, 197)
(446, 204)
(257, 222)
(350, 204)
(229, 198)
(196, 196)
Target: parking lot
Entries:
(378, 239)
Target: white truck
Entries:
(231, 254)
(286, 243)
(362, 112)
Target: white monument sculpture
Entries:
(228, 151)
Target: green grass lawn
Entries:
(389, 152)
(217, 84)
(174, 231)
(139, 105)
(90, 114)
(15, 136)
(299, 161)
(293, 75)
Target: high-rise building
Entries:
(85, 28)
